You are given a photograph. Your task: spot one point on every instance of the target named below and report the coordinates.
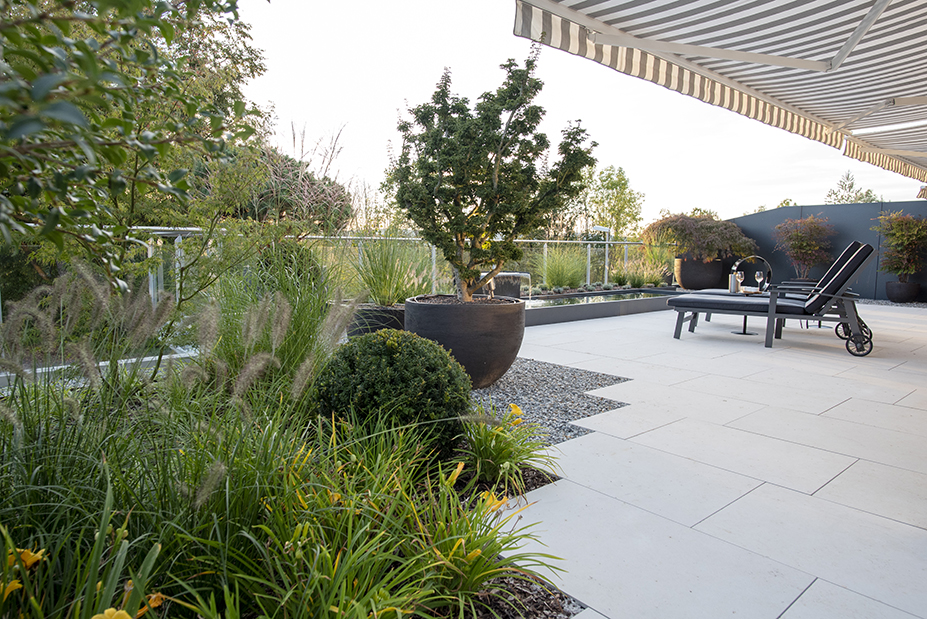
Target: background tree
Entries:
(805, 241)
(611, 200)
(473, 180)
(76, 144)
(847, 192)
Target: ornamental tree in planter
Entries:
(699, 238)
(904, 239)
(805, 242)
(474, 179)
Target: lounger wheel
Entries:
(859, 345)
(843, 330)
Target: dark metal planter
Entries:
(369, 318)
(694, 274)
(902, 292)
(484, 338)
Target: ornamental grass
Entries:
(207, 487)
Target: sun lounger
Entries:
(829, 301)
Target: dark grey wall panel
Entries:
(851, 222)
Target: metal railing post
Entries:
(588, 263)
(434, 270)
(545, 262)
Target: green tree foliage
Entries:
(847, 192)
(805, 241)
(613, 203)
(473, 180)
(93, 96)
(904, 240)
(291, 191)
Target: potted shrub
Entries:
(473, 180)
(805, 242)
(701, 241)
(390, 270)
(904, 239)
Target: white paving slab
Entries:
(887, 416)
(879, 489)
(758, 391)
(768, 459)
(872, 556)
(679, 489)
(835, 435)
(824, 600)
(917, 399)
(678, 400)
(629, 421)
(626, 562)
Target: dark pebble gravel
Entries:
(550, 396)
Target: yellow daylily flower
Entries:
(515, 410)
(152, 601)
(112, 613)
(10, 588)
(517, 421)
(28, 557)
(452, 478)
(492, 501)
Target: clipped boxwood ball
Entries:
(401, 374)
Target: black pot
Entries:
(902, 292)
(369, 318)
(483, 337)
(694, 274)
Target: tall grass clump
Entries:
(209, 488)
(564, 266)
(391, 270)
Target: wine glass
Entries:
(739, 276)
(760, 276)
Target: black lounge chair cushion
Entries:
(723, 303)
(839, 281)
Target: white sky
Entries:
(359, 64)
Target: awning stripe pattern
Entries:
(888, 61)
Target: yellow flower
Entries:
(28, 557)
(10, 588)
(112, 613)
(515, 422)
(452, 478)
(515, 410)
(492, 501)
(152, 601)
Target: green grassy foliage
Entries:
(223, 495)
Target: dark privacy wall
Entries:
(851, 222)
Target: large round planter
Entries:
(694, 274)
(369, 318)
(902, 292)
(483, 337)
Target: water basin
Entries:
(597, 298)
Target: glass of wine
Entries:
(739, 276)
(760, 276)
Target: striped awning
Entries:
(848, 73)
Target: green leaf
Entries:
(65, 112)
(23, 127)
(167, 31)
(63, 25)
(51, 221)
(45, 84)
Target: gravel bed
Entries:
(884, 302)
(550, 396)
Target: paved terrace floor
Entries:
(742, 481)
